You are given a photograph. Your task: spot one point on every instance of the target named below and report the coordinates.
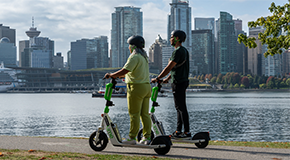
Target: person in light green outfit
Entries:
(136, 71)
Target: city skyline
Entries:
(67, 21)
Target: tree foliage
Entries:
(245, 81)
(274, 25)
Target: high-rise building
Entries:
(45, 52)
(126, 21)
(180, 19)
(238, 24)
(24, 54)
(155, 54)
(227, 46)
(286, 63)
(69, 60)
(6, 31)
(7, 52)
(242, 55)
(102, 52)
(79, 54)
(273, 65)
(58, 61)
(203, 51)
(255, 55)
(166, 54)
(89, 53)
(204, 23)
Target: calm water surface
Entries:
(254, 116)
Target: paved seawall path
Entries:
(183, 151)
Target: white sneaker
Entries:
(145, 141)
(129, 141)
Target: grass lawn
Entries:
(41, 155)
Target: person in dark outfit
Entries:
(178, 66)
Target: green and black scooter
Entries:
(99, 139)
(200, 139)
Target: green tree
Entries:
(218, 80)
(231, 86)
(282, 84)
(225, 86)
(274, 24)
(236, 78)
(245, 81)
(237, 85)
(202, 77)
(213, 80)
(242, 86)
(288, 82)
(270, 84)
(262, 86)
(250, 80)
(277, 83)
(209, 77)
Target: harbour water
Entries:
(247, 116)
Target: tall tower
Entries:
(32, 33)
(227, 44)
(180, 18)
(126, 21)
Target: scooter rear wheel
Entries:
(100, 143)
(161, 140)
(201, 136)
(140, 135)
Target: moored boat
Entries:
(7, 78)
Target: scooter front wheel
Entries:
(161, 140)
(98, 143)
(201, 136)
(140, 135)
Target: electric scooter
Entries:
(98, 140)
(200, 139)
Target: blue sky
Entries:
(65, 21)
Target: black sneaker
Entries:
(177, 134)
(187, 134)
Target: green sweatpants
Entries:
(138, 96)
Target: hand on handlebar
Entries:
(153, 80)
(107, 76)
(165, 81)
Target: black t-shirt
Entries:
(180, 71)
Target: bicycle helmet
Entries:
(137, 41)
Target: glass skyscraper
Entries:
(227, 44)
(7, 52)
(204, 23)
(203, 50)
(180, 18)
(126, 21)
(89, 53)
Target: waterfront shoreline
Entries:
(193, 90)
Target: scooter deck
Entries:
(188, 140)
(141, 145)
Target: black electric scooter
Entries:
(200, 139)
